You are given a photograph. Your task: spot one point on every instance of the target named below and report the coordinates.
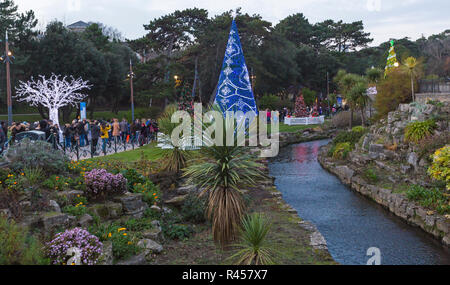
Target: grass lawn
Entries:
(150, 152)
(293, 129)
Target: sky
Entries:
(384, 19)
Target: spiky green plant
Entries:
(222, 171)
(175, 158)
(253, 246)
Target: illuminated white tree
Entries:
(53, 93)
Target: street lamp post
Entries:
(7, 58)
(131, 76)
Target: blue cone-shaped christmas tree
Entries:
(234, 91)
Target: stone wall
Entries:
(425, 97)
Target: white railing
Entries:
(305, 121)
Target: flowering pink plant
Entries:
(101, 184)
(89, 247)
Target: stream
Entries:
(350, 223)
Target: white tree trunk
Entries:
(53, 112)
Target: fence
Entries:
(305, 121)
(434, 86)
(76, 149)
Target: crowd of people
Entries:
(83, 133)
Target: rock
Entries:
(156, 208)
(423, 163)
(177, 201)
(55, 220)
(85, 221)
(345, 173)
(404, 108)
(413, 159)
(156, 224)
(106, 258)
(443, 225)
(54, 206)
(107, 211)
(135, 260)
(133, 205)
(186, 189)
(153, 234)
(404, 169)
(167, 210)
(26, 206)
(150, 246)
(6, 213)
(376, 148)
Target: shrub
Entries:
(36, 154)
(351, 137)
(440, 167)
(177, 231)
(417, 131)
(16, 248)
(89, 245)
(152, 194)
(193, 209)
(271, 102)
(358, 129)
(56, 182)
(394, 90)
(430, 144)
(430, 198)
(370, 175)
(101, 184)
(122, 242)
(133, 177)
(78, 210)
(33, 176)
(341, 119)
(342, 150)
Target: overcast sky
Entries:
(384, 19)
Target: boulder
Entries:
(176, 201)
(345, 173)
(413, 159)
(156, 208)
(6, 213)
(54, 206)
(107, 211)
(186, 190)
(55, 220)
(133, 205)
(135, 260)
(153, 234)
(376, 148)
(85, 221)
(150, 246)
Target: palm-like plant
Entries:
(358, 95)
(253, 248)
(222, 171)
(411, 64)
(175, 158)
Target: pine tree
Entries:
(391, 60)
(300, 107)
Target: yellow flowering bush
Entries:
(440, 168)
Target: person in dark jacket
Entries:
(2, 139)
(95, 135)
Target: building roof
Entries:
(78, 25)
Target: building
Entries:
(78, 27)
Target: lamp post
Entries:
(131, 75)
(7, 59)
